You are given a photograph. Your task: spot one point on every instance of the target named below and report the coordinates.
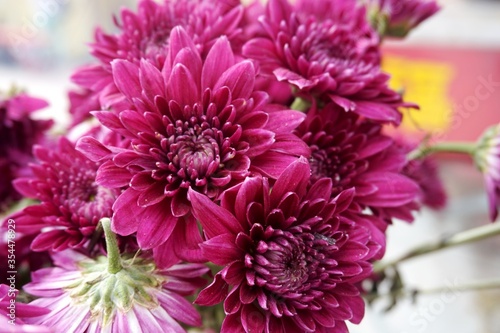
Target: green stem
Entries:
(114, 259)
(443, 147)
(465, 237)
(413, 292)
(300, 104)
(469, 286)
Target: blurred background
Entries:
(43, 41)
(450, 65)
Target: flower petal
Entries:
(215, 293)
(219, 59)
(221, 249)
(155, 227)
(214, 219)
(126, 76)
(240, 79)
(293, 179)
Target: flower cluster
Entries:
(146, 35)
(258, 146)
(291, 258)
(326, 51)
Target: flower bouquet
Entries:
(229, 168)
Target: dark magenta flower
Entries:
(195, 125)
(71, 203)
(354, 153)
(487, 159)
(145, 35)
(399, 17)
(291, 258)
(13, 313)
(425, 172)
(19, 132)
(326, 50)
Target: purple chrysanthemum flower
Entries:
(197, 125)
(18, 134)
(399, 17)
(424, 171)
(71, 203)
(145, 35)
(13, 313)
(92, 295)
(289, 255)
(487, 159)
(353, 152)
(328, 50)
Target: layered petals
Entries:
(196, 125)
(145, 34)
(327, 51)
(71, 203)
(291, 258)
(354, 153)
